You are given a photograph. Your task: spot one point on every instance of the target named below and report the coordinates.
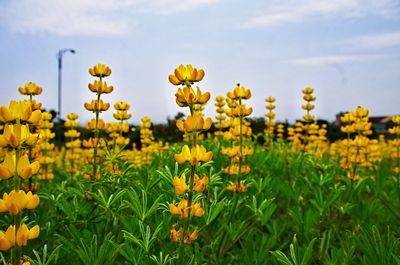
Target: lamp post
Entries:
(59, 58)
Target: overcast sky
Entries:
(348, 50)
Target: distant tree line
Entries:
(169, 132)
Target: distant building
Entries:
(381, 124)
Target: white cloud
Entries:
(86, 17)
(333, 59)
(293, 11)
(168, 7)
(377, 41)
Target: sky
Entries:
(347, 50)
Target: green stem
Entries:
(17, 218)
(186, 222)
(236, 195)
(96, 138)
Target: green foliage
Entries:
(298, 211)
(298, 255)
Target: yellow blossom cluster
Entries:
(394, 144)
(193, 125)
(238, 134)
(45, 147)
(97, 105)
(73, 143)
(270, 123)
(17, 165)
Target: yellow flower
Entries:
(235, 151)
(23, 234)
(71, 123)
(91, 142)
(121, 105)
(7, 168)
(180, 186)
(120, 140)
(234, 169)
(97, 106)
(46, 134)
(100, 87)
(394, 130)
(72, 134)
(30, 89)
(17, 135)
(194, 122)
(309, 97)
(308, 90)
(190, 237)
(182, 209)
(100, 70)
(200, 183)
(239, 92)
(220, 101)
(270, 115)
(122, 115)
(360, 112)
(396, 119)
(186, 75)
(46, 160)
(270, 99)
(26, 169)
(101, 124)
(187, 97)
(20, 110)
(308, 117)
(196, 154)
(270, 107)
(175, 235)
(239, 111)
(308, 106)
(72, 116)
(15, 202)
(197, 210)
(237, 188)
(8, 240)
(36, 105)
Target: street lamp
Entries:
(59, 57)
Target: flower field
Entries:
(221, 195)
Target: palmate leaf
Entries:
(379, 249)
(167, 175)
(263, 211)
(215, 209)
(86, 247)
(105, 202)
(140, 206)
(297, 256)
(147, 238)
(161, 260)
(45, 259)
